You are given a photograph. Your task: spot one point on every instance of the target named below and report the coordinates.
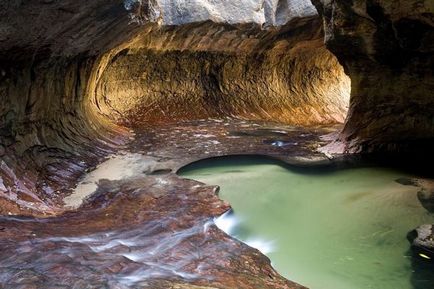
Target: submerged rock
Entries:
(427, 200)
(426, 192)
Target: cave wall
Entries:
(387, 49)
(51, 53)
(65, 70)
(63, 66)
(49, 132)
(285, 75)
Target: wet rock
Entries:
(151, 230)
(422, 242)
(406, 181)
(148, 232)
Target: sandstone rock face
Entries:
(65, 69)
(210, 70)
(50, 53)
(387, 48)
(71, 71)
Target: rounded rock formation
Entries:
(386, 47)
(77, 75)
(422, 241)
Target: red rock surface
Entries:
(153, 230)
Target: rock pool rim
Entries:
(409, 163)
(418, 254)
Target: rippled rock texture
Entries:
(73, 71)
(134, 234)
(50, 131)
(77, 76)
(209, 70)
(153, 229)
(387, 49)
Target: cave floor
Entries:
(154, 229)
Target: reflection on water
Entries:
(327, 230)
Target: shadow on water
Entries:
(422, 272)
(252, 160)
(409, 164)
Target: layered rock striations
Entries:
(73, 71)
(51, 53)
(387, 49)
(76, 76)
(209, 70)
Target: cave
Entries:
(104, 103)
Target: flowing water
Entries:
(341, 229)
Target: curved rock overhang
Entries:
(205, 69)
(51, 53)
(75, 75)
(387, 49)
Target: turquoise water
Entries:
(342, 229)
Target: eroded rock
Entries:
(422, 241)
(209, 70)
(386, 47)
(74, 70)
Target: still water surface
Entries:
(341, 229)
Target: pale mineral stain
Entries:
(117, 167)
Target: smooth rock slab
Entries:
(152, 229)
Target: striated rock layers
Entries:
(208, 70)
(387, 49)
(50, 131)
(76, 76)
(71, 72)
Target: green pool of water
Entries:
(341, 229)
